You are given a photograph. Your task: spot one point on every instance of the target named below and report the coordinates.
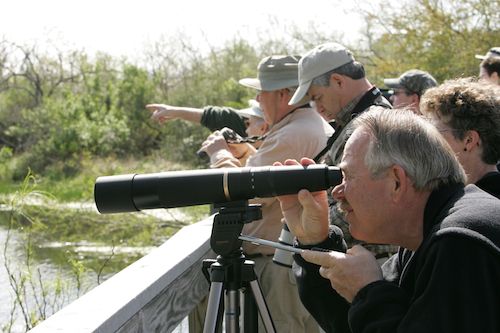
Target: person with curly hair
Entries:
(467, 113)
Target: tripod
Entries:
(233, 274)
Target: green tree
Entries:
(438, 36)
(134, 91)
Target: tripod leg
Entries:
(212, 315)
(250, 312)
(262, 306)
(232, 313)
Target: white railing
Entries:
(154, 294)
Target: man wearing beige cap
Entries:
(295, 132)
(336, 83)
(409, 88)
(489, 69)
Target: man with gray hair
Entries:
(295, 131)
(402, 185)
(409, 88)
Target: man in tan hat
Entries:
(409, 88)
(295, 132)
(489, 69)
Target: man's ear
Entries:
(415, 100)
(398, 182)
(495, 77)
(472, 140)
(336, 80)
(285, 94)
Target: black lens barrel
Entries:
(135, 192)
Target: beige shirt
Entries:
(302, 133)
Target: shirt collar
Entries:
(344, 116)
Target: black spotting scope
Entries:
(135, 192)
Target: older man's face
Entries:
(269, 103)
(361, 198)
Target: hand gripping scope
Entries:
(135, 192)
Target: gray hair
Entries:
(403, 138)
(354, 70)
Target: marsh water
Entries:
(50, 280)
(39, 279)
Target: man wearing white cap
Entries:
(295, 131)
(489, 69)
(256, 126)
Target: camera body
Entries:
(229, 135)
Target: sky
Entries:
(124, 27)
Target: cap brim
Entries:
(250, 112)
(251, 83)
(392, 83)
(253, 103)
(479, 56)
(300, 93)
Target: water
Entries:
(45, 286)
(13, 263)
(55, 273)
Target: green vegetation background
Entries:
(69, 117)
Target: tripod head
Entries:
(227, 226)
(231, 275)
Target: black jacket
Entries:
(450, 284)
(216, 117)
(490, 183)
